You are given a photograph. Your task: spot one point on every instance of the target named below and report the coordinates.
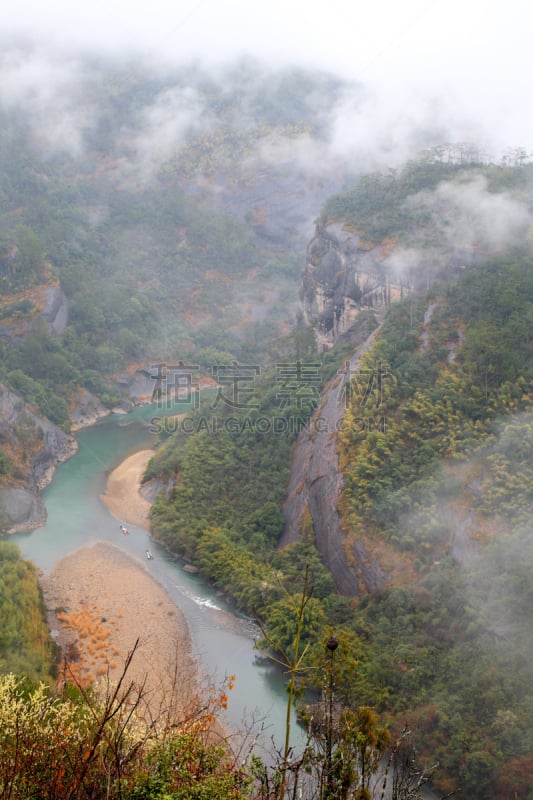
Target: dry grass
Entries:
(89, 640)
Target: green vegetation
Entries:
(441, 400)
(224, 512)
(228, 464)
(25, 644)
(376, 207)
(396, 204)
(444, 490)
(103, 742)
(153, 268)
(450, 472)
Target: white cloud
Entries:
(461, 68)
(468, 214)
(48, 89)
(161, 130)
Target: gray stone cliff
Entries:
(315, 485)
(39, 446)
(342, 276)
(55, 312)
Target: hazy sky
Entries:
(465, 61)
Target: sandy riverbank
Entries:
(101, 601)
(122, 495)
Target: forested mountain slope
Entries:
(149, 217)
(26, 647)
(459, 352)
(436, 463)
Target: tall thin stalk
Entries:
(292, 666)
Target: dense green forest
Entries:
(447, 485)
(161, 274)
(449, 649)
(122, 214)
(389, 203)
(442, 499)
(25, 644)
(163, 219)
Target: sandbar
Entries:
(101, 602)
(122, 494)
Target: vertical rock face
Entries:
(36, 446)
(315, 485)
(47, 302)
(86, 409)
(55, 312)
(56, 447)
(342, 276)
(23, 509)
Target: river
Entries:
(222, 640)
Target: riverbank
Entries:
(122, 494)
(101, 602)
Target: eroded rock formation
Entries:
(36, 446)
(342, 276)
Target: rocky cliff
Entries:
(315, 486)
(32, 448)
(55, 312)
(85, 409)
(343, 275)
(20, 313)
